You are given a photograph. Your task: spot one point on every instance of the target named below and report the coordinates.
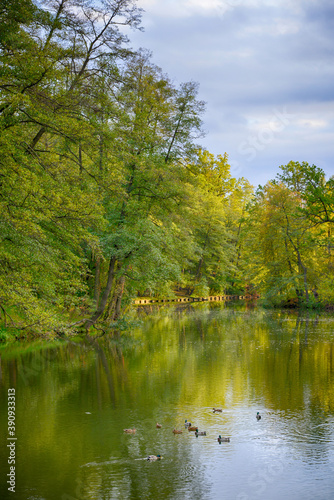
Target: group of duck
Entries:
(189, 427)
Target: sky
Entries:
(265, 69)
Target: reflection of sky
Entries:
(253, 59)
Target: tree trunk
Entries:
(37, 137)
(114, 309)
(301, 266)
(97, 282)
(198, 273)
(175, 134)
(305, 284)
(120, 291)
(105, 295)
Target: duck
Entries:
(187, 424)
(217, 410)
(192, 428)
(200, 433)
(158, 426)
(130, 431)
(154, 457)
(223, 440)
(175, 431)
(258, 416)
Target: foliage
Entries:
(105, 193)
(289, 238)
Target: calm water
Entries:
(73, 400)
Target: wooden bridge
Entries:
(211, 298)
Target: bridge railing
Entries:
(211, 298)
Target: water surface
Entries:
(73, 400)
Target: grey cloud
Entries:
(249, 62)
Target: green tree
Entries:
(283, 245)
(54, 61)
(153, 135)
(317, 193)
(214, 222)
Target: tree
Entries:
(317, 193)
(54, 61)
(283, 245)
(214, 223)
(152, 138)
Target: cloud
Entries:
(170, 9)
(250, 58)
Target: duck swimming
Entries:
(192, 428)
(215, 410)
(158, 426)
(154, 457)
(223, 440)
(175, 431)
(200, 433)
(187, 424)
(258, 416)
(130, 431)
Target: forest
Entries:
(106, 193)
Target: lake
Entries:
(74, 398)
